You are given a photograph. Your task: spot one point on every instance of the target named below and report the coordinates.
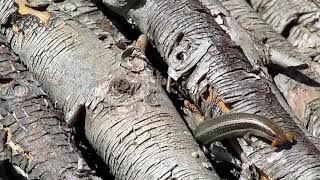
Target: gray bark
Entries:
(248, 38)
(5, 155)
(201, 55)
(88, 14)
(298, 91)
(253, 42)
(299, 23)
(129, 120)
(36, 127)
(298, 20)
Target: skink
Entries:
(241, 125)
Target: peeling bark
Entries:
(297, 20)
(5, 154)
(88, 14)
(300, 25)
(253, 47)
(201, 56)
(44, 147)
(299, 89)
(130, 121)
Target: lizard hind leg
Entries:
(25, 9)
(262, 136)
(247, 138)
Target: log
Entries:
(129, 120)
(246, 33)
(201, 56)
(296, 20)
(40, 143)
(300, 88)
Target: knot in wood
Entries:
(121, 86)
(21, 89)
(16, 89)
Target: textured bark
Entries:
(129, 120)
(88, 14)
(120, 6)
(5, 154)
(246, 34)
(35, 125)
(200, 54)
(298, 89)
(297, 20)
(298, 92)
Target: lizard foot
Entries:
(25, 9)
